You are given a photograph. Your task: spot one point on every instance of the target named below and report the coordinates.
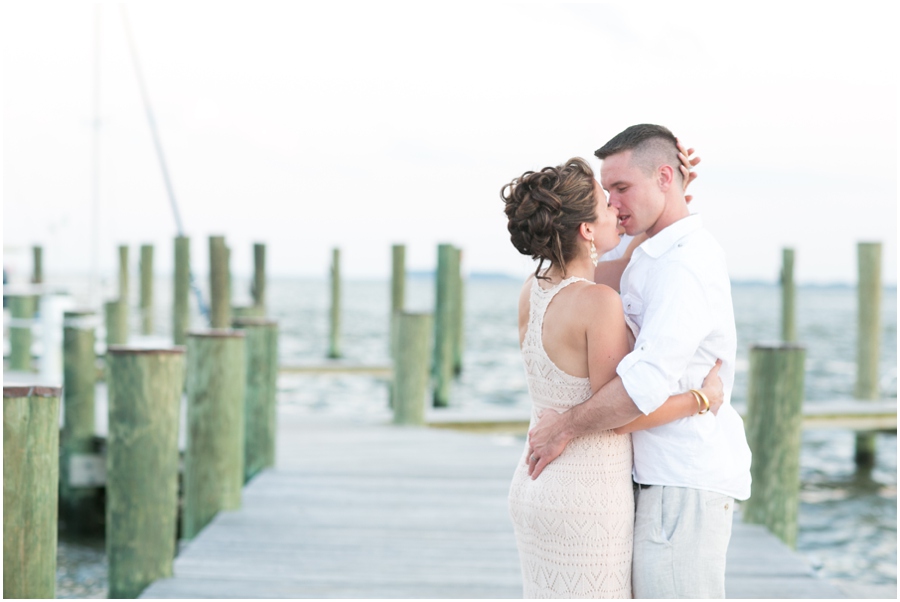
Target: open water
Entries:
(847, 521)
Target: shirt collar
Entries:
(656, 246)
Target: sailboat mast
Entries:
(95, 158)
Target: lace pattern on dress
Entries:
(574, 524)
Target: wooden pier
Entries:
(356, 508)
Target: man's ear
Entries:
(665, 177)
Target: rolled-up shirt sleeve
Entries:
(675, 320)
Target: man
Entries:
(677, 299)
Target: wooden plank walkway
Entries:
(361, 509)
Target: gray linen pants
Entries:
(680, 539)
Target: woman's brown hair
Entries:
(545, 210)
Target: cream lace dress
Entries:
(574, 524)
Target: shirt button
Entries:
(726, 506)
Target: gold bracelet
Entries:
(704, 398)
(699, 402)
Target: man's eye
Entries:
(621, 190)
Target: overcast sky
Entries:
(360, 125)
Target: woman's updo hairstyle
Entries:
(545, 210)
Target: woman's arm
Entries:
(682, 405)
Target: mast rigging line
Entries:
(159, 151)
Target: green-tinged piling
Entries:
(145, 388)
(246, 311)
(261, 355)
(77, 438)
(37, 274)
(788, 298)
(445, 313)
(214, 458)
(181, 305)
(459, 316)
(123, 274)
(259, 277)
(116, 317)
(410, 384)
(774, 417)
(21, 310)
(146, 289)
(30, 481)
(334, 333)
(398, 292)
(219, 283)
(868, 342)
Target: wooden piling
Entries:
(259, 276)
(214, 458)
(21, 309)
(458, 316)
(246, 311)
(220, 291)
(181, 304)
(868, 342)
(261, 357)
(774, 417)
(410, 385)
(77, 437)
(445, 313)
(146, 289)
(334, 333)
(398, 291)
(123, 274)
(30, 481)
(37, 274)
(788, 298)
(116, 317)
(145, 388)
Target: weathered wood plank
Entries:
(356, 510)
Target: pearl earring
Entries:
(593, 252)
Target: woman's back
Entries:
(574, 524)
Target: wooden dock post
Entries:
(146, 289)
(260, 423)
(259, 277)
(77, 437)
(123, 274)
(181, 305)
(219, 283)
(774, 417)
(788, 298)
(868, 335)
(459, 316)
(116, 317)
(334, 337)
(214, 458)
(410, 385)
(145, 388)
(398, 292)
(37, 274)
(444, 318)
(21, 309)
(30, 481)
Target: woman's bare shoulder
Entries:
(597, 300)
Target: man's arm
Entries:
(608, 408)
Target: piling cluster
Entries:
(775, 399)
(226, 377)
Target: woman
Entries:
(574, 524)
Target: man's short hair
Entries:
(651, 146)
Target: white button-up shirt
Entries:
(677, 299)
